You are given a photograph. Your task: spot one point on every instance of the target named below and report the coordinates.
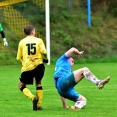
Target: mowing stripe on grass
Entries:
(85, 87)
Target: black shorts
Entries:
(37, 73)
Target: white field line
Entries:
(112, 85)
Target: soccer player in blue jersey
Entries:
(3, 36)
(65, 79)
(32, 54)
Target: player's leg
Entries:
(66, 82)
(85, 72)
(65, 87)
(26, 78)
(39, 93)
(39, 73)
(25, 90)
(80, 103)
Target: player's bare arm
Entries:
(63, 100)
(75, 51)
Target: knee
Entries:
(85, 70)
(82, 98)
(20, 85)
(38, 85)
(85, 100)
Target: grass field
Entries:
(101, 103)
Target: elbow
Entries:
(17, 59)
(73, 49)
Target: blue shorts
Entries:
(65, 87)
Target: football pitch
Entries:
(101, 103)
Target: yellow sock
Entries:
(28, 93)
(40, 97)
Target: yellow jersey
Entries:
(30, 51)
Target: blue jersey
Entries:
(64, 79)
(63, 67)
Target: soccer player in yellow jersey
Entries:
(32, 53)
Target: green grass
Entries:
(101, 103)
